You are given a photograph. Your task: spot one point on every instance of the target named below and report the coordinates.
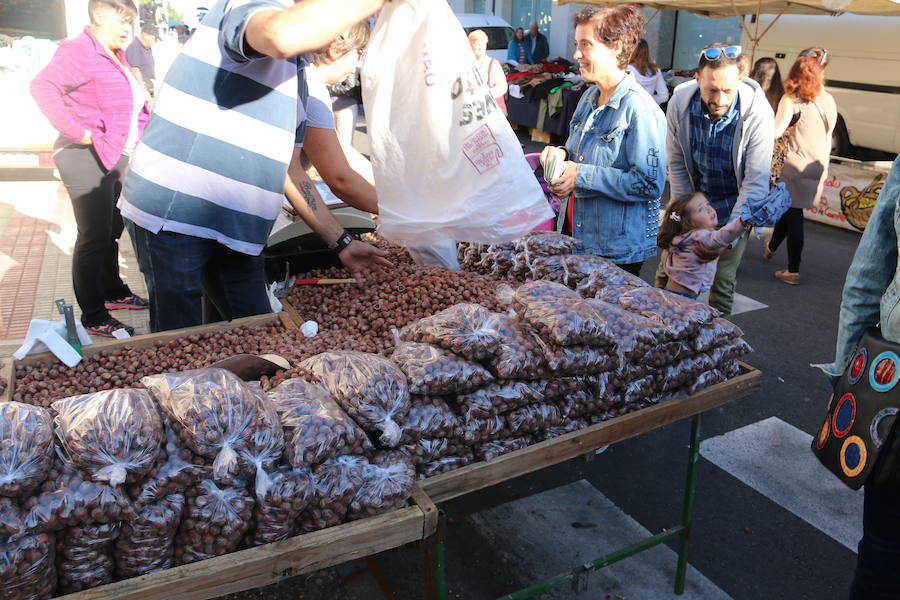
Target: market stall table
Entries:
(454, 484)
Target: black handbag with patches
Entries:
(858, 440)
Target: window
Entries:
(498, 37)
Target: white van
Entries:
(863, 73)
(499, 32)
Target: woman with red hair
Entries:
(807, 114)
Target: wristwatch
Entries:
(342, 242)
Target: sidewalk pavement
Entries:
(37, 234)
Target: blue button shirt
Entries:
(712, 147)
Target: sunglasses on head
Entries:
(820, 54)
(732, 52)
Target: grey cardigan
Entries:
(753, 143)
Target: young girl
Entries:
(688, 231)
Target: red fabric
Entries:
(549, 67)
(570, 214)
(517, 74)
(500, 100)
(82, 88)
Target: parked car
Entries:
(499, 32)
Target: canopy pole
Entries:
(756, 36)
(653, 16)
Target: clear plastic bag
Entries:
(550, 268)
(560, 316)
(578, 360)
(369, 387)
(113, 435)
(640, 389)
(545, 243)
(215, 520)
(580, 267)
(468, 330)
(385, 488)
(215, 414)
(534, 291)
(488, 429)
(491, 450)
(519, 354)
(429, 417)
(559, 430)
(557, 388)
(10, 519)
(444, 464)
(276, 512)
(337, 480)
(581, 404)
(265, 447)
(26, 448)
(635, 335)
(27, 568)
(605, 275)
(433, 371)
(147, 542)
(682, 372)
(497, 398)
(729, 368)
(315, 427)
(173, 474)
(703, 380)
(716, 333)
(85, 556)
(684, 317)
(427, 450)
(68, 500)
(534, 418)
(667, 353)
(612, 293)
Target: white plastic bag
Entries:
(447, 164)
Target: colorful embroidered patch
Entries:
(823, 433)
(875, 427)
(858, 365)
(883, 373)
(853, 456)
(844, 415)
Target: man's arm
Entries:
(324, 151)
(679, 178)
(759, 141)
(304, 27)
(358, 257)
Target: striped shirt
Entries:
(215, 152)
(712, 148)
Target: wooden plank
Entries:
(8, 372)
(429, 510)
(149, 339)
(447, 486)
(265, 564)
(291, 313)
(540, 136)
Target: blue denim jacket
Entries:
(872, 289)
(621, 160)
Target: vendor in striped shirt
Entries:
(208, 178)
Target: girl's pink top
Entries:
(682, 264)
(82, 88)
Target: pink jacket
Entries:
(82, 88)
(682, 264)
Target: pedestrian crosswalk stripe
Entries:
(774, 458)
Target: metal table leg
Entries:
(687, 511)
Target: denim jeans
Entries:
(181, 269)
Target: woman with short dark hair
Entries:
(615, 158)
(90, 95)
(518, 51)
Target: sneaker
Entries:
(788, 277)
(106, 328)
(131, 302)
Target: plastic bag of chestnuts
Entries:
(561, 316)
(27, 568)
(434, 371)
(384, 488)
(172, 474)
(684, 317)
(26, 448)
(468, 330)
(337, 481)
(215, 414)
(429, 417)
(519, 354)
(84, 556)
(371, 388)
(146, 543)
(491, 450)
(113, 435)
(214, 522)
(275, 514)
(315, 427)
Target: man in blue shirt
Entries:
(719, 142)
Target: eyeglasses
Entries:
(732, 52)
(820, 54)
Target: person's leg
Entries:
(780, 231)
(83, 175)
(113, 286)
(721, 295)
(173, 266)
(633, 268)
(235, 283)
(661, 280)
(795, 239)
(877, 573)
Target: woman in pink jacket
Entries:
(89, 94)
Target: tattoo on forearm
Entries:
(306, 191)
